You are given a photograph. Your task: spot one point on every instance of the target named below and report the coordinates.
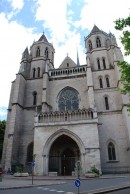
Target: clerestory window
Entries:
(68, 100)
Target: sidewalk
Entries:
(11, 182)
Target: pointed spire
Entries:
(95, 29)
(78, 64)
(25, 53)
(43, 38)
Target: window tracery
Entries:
(68, 100)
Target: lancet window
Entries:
(111, 151)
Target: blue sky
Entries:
(65, 24)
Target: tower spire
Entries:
(78, 64)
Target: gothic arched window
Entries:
(68, 99)
(98, 42)
(90, 45)
(46, 53)
(38, 71)
(100, 83)
(104, 63)
(38, 52)
(34, 70)
(111, 151)
(106, 103)
(107, 82)
(98, 63)
(34, 98)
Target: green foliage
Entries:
(2, 131)
(123, 25)
(19, 169)
(94, 170)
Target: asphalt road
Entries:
(124, 191)
(70, 188)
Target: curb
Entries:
(30, 186)
(107, 190)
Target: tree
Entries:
(124, 25)
(2, 131)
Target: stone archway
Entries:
(64, 153)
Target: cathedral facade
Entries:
(57, 117)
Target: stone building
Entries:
(73, 113)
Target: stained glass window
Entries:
(68, 100)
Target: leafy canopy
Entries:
(2, 131)
(124, 26)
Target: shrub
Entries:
(94, 170)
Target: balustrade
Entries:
(48, 117)
(69, 71)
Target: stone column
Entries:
(90, 87)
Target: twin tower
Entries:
(73, 113)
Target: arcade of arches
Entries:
(63, 155)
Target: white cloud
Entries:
(70, 47)
(14, 38)
(17, 4)
(59, 21)
(103, 14)
(54, 14)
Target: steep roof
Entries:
(25, 53)
(43, 38)
(95, 29)
(67, 62)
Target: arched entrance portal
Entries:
(63, 155)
